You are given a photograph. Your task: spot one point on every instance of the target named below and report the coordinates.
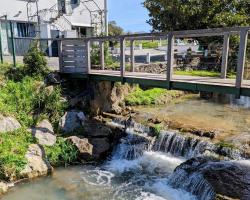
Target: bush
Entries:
(95, 55)
(35, 62)
(13, 147)
(48, 103)
(62, 153)
(28, 98)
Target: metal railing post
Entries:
(241, 58)
(170, 58)
(122, 56)
(225, 55)
(13, 44)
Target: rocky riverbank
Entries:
(89, 139)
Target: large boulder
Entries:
(44, 133)
(84, 147)
(108, 97)
(101, 147)
(96, 129)
(225, 178)
(71, 121)
(37, 164)
(8, 124)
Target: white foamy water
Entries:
(143, 178)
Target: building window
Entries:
(25, 30)
(74, 2)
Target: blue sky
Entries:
(129, 14)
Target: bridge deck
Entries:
(176, 78)
(75, 61)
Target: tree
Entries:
(168, 15)
(114, 29)
(174, 15)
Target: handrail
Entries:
(142, 36)
(186, 33)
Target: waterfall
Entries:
(178, 145)
(134, 151)
(194, 183)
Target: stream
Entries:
(140, 168)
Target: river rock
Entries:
(44, 133)
(83, 145)
(101, 147)
(8, 124)
(37, 164)
(96, 129)
(71, 121)
(226, 178)
(3, 187)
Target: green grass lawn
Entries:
(202, 73)
(153, 96)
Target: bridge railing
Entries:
(242, 32)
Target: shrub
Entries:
(35, 62)
(13, 147)
(28, 98)
(48, 103)
(95, 55)
(62, 153)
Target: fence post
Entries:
(225, 55)
(1, 46)
(122, 56)
(132, 55)
(170, 58)
(13, 44)
(88, 56)
(241, 59)
(102, 55)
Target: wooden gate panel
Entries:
(73, 56)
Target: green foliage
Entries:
(197, 14)
(26, 98)
(95, 55)
(147, 97)
(202, 73)
(156, 130)
(18, 99)
(224, 144)
(114, 30)
(13, 147)
(47, 102)
(62, 153)
(35, 62)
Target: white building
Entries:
(56, 18)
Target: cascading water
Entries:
(140, 168)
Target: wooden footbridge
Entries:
(75, 62)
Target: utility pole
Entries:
(106, 17)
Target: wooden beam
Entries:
(102, 55)
(88, 57)
(241, 58)
(170, 57)
(122, 56)
(225, 55)
(132, 55)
